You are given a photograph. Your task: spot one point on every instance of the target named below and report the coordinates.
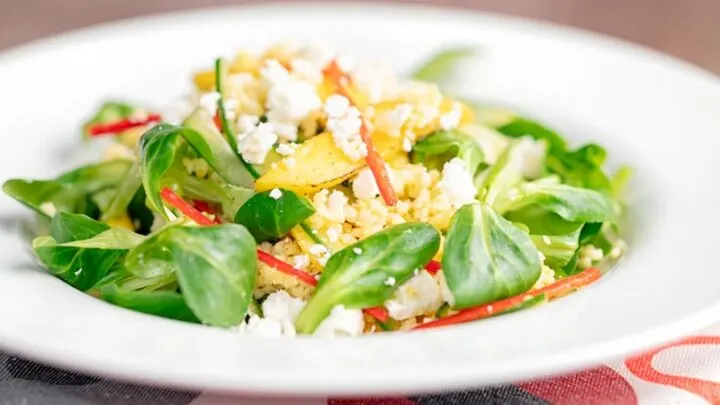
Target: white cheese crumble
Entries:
(344, 122)
(357, 251)
(407, 145)
(445, 292)
(336, 204)
(279, 313)
(332, 234)
(283, 308)
(547, 277)
(275, 194)
(287, 149)
(318, 249)
(230, 106)
(427, 113)
(392, 121)
(451, 119)
(255, 144)
(176, 111)
(419, 295)
(377, 81)
(247, 123)
(364, 186)
(390, 281)
(342, 322)
(301, 261)
(290, 162)
(289, 100)
(310, 62)
(208, 102)
(591, 252)
(48, 208)
(532, 157)
(617, 249)
(457, 183)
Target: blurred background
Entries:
(688, 29)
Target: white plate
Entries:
(652, 111)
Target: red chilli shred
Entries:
(204, 206)
(552, 291)
(116, 127)
(374, 161)
(286, 268)
(183, 206)
(379, 313)
(433, 267)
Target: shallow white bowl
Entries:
(654, 112)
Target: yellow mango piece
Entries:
(303, 239)
(327, 88)
(468, 114)
(205, 81)
(319, 164)
(390, 148)
(243, 62)
(123, 222)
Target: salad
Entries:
(299, 192)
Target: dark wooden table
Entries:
(689, 29)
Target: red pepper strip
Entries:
(203, 206)
(122, 125)
(433, 267)
(379, 313)
(374, 161)
(335, 74)
(218, 122)
(286, 268)
(552, 291)
(183, 206)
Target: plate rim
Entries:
(589, 354)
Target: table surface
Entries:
(685, 28)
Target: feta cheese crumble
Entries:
(390, 281)
(392, 121)
(287, 149)
(48, 208)
(342, 322)
(279, 313)
(457, 183)
(208, 102)
(344, 122)
(451, 119)
(275, 194)
(289, 162)
(357, 251)
(289, 100)
(532, 157)
(375, 80)
(318, 249)
(301, 261)
(255, 143)
(419, 295)
(364, 186)
(407, 145)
